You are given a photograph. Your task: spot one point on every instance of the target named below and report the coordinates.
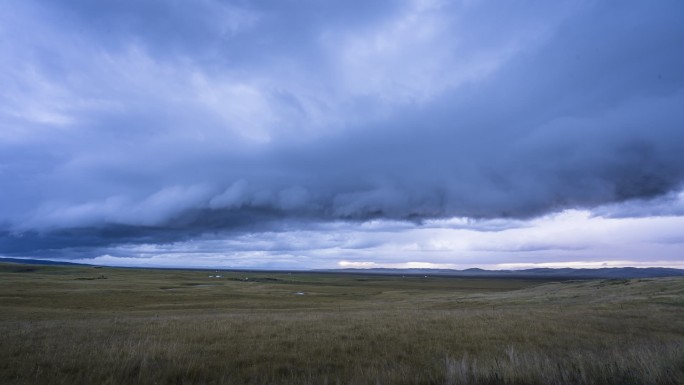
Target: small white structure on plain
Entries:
(299, 293)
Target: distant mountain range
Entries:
(39, 262)
(565, 273)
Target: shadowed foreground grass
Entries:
(68, 325)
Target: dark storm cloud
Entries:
(150, 121)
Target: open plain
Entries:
(85, 325)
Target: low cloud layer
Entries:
(148, 122)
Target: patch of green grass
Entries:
(59, 326)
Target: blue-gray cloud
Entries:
(153, 121)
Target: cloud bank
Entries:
(150, 122)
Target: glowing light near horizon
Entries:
(572, 238)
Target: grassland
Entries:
(81, 325)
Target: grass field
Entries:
(82, 325)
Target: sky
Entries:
(299, 134)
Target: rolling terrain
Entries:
(86, 325)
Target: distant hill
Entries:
(545, 273)
(39, 262)
(565, 273)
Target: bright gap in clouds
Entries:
(572, 238)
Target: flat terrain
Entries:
(84, 325)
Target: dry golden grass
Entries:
(62, 325)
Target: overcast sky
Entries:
(323, 134)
